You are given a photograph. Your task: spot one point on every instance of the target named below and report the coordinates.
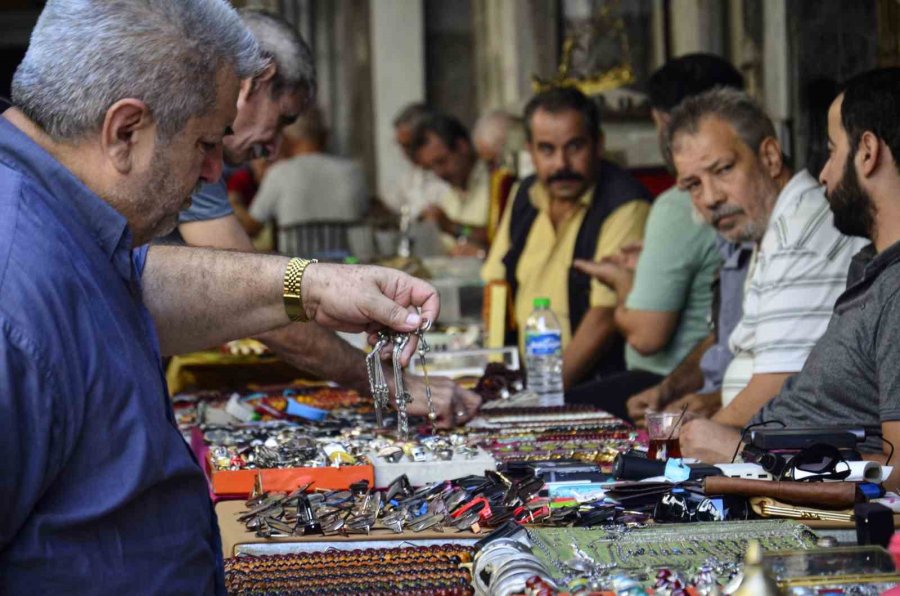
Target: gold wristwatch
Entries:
(293, 299)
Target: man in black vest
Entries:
(577, 205)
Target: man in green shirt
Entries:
(663, 288)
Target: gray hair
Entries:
(85, 55)
(279, 42)
(737, 108)
(493, 128)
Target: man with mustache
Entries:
(268, 103)
(851, 377)
(727, 157)
(577, 205)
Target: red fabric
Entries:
(243, 183)
(656, 180)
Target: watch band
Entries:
(293, 299)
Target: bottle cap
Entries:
(541, 303)
(351, 260)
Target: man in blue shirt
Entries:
(99, 493)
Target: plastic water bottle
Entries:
(543, 354)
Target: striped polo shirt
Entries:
(798, 272)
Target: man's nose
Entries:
(559, 160)
(823, 176)
(712, 195)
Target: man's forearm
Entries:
(589, 344)
(321, 352)
(687, 376)
(202, 297)
(761, 388)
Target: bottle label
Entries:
(543, 344)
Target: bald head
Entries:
(490, 134)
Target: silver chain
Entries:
(377, 380)
(401, 395)
(424, 348)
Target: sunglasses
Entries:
(816, 463)
(680, 506)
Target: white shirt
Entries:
(417, 188)
(798, 272)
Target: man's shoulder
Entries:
(802, 220)
(27, 228)
(674, 205)
(11, 188)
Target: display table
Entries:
(236, 538)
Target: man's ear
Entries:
(868, 154)
(127, 122)
(771, 157)
(261, 80)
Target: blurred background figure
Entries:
(417, 187)
(243, 184)
(442, 145)
(313, 198)
(498, 138)
(489, 135)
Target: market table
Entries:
(236, 539)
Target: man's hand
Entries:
(708, 441)
(609, 270)
(358, 298)
(639, 403)
(452, 404)
(702, 405)
(630, 253)
(612, 271)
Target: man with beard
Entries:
(851, 377)
(266, 104)
(577, 206)
(99, 492)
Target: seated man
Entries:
(491, 138)
(849, 376)
(441, 144)
(313, 197)
(724, 148)
(576, 206)
(696, 383)
(417, 188)
(663, 304)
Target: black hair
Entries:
(872, 103)
(563, 99)
(444, 126)
(690, 75)
(819, 95)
